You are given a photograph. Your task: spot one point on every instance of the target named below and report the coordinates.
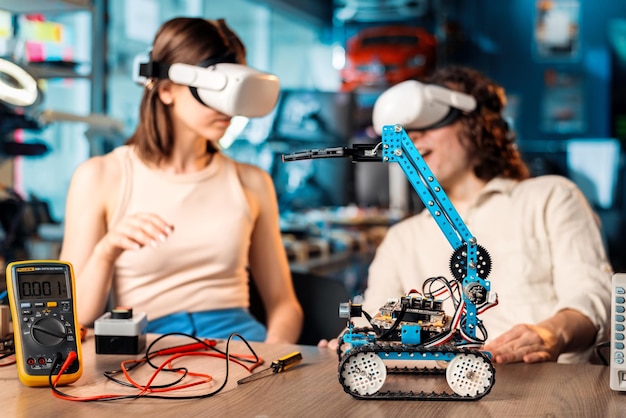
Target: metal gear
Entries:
(458, 261)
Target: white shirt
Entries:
(546, 251)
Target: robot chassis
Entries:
(415, 328)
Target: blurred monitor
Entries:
(316, 117)
(544, 157)
(303, 119)
(594, 165)
(309, 119)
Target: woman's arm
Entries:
(85, 225)
(89, 245)
(268, 260)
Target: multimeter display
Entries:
(42, 286)
(45, 325)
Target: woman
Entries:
(549, 266)
(169, 225)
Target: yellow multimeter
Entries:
(45, 326)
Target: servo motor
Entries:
(121, 332)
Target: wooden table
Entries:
(312, 390)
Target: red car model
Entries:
(386, 55)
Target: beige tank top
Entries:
(202, 265)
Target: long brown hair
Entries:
(180, 40)
(490, 141)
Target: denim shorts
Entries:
(217, 324)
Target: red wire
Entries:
(71, 357)
(176, 353)
(10, 361)
(146, 388)
(168, 362)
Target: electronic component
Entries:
(41, 296)
(618, 332)
(278, 366)
(121, 332)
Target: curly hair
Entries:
(488, 137)
(180, 40)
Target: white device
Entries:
(17, 86)
(232, 89)
(416, 106)
(121, 332)
(618, 332)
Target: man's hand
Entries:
(566, 331)
(527, 343)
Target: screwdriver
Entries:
(278, 366)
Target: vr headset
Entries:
(418, 106)
(229, 88)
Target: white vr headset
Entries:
(232, 89)
(418, 106)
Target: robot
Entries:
(415, 329)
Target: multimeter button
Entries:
(619, 336)
(39, 305)
(25, 305)
(619, 346)
(620, 290)
(620, 299)
(52, 304)
(619, 318)
(619, 354)
(620, 309)
(619, 360)
(27, 312)
(619, 327)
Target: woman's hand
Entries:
(134, 232)
(332, 344)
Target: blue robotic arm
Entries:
(470, 263)
(398, 147)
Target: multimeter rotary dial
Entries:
(48, 332)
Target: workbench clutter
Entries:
(165, 360)
(316, 234)
(170, 378)
(48, 343)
